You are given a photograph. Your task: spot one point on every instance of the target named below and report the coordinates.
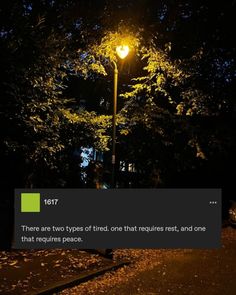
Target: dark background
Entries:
(43, 77)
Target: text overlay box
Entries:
(119, 218)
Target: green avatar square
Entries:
(30, 202)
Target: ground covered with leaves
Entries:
(161, 272)
(150, 271)
(26, 271)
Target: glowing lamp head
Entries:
(122, 51)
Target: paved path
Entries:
(176, 272)
(198, 272)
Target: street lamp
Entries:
(122, 51)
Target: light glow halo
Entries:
(122, 51)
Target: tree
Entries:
(168, 103)
(182, 62)
(42, 126)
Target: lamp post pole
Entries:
(122, 51)
(113, 160)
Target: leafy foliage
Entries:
(41, 123)
(181, 69)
